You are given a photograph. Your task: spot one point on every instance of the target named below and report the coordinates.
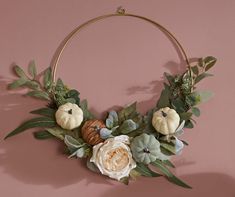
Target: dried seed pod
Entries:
(90, 131)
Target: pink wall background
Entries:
(115, 62)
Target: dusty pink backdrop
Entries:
(115, 62)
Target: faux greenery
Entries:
(179, 93)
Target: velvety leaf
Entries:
(33, 123)
(39, 94)
(57, 132)
(32, 85)
(49, 112)
(202, 76)
(42, 135)
(146, 171)
(32, 69)
(169, 175)
(17, 83)
(109, 122)
(105, 133)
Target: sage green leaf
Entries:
(195, 70)
(32, 85)
(202, 76)
(209, 62)
(164, 100)
(72, 143)
(124, 180)
(169, 147)
(20, 73)
(169, 175)
(39, 94)
(128, 126)
(109, 122)
(49, 112)
(144, 170)
(33, 123)
(185, 115)
(47, 79)
(86, 113)
(42, 135)
(169, 77)
(91, 166)
(57, 132)
(70, 100)
(32, 69)
(17, 83)
(178, 105)
(189, 124)
(204, 96)
(196, 111)
(126, 112)
(168, 163)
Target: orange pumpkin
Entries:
(90, 131)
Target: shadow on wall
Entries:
(204, 184)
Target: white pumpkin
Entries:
(166, 120)
(69, 116)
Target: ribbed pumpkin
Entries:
(90, 131)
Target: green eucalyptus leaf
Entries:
(169, 175)
(49, 112)
(32, 69)
(32, 85)
(209, 62)
(86, 113)
(195, 70)
(189, 124)
(20, 73)
(126, 112)
(33, 123)
(42, 135)
(168, 163)
(47, 78)
(39, 94)
(196, 111)
(202, 76)
(203, 96)
(128, 126)
(185, 115)
(17, 83)
(109, 122)
(144, 170)
(164, 100)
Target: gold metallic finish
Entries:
(119, 13)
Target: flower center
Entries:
(116, 159)
(146, 150)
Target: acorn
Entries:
(91, 131)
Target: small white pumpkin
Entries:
(69, 116)
(166, 120)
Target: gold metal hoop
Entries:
(120, 12)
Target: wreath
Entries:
(126, 144)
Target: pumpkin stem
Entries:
(146, 150)
(164, 114)
(70, 111)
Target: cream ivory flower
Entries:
(113, 157)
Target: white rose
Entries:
(113, 157)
